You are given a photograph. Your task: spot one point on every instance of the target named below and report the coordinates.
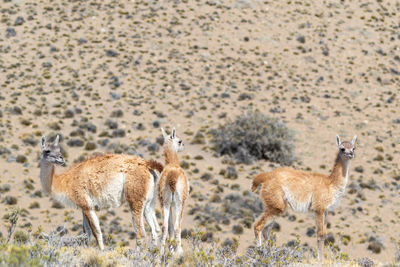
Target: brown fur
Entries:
(93, 175)
(170, 177)
(258, 180)
(155, 165)
(307, 191)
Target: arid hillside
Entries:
(106, 75)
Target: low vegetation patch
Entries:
(254, 136)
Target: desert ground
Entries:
(106, 75)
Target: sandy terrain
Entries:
(322, 68)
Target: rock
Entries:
(111, 53)
(301, 39)
(137, 112)
(10, 32)
(310, 231)
(82, 40)
(114, 95)
(140, 126)
(16, 110)
(359, 169)
(19, 21)
(156, 124)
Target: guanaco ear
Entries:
(43, 142)
(165, 135)
(338, 140)
(173, 135)
(57, 140)
(354, 140)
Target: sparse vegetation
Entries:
(254, 136)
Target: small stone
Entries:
(111, 53)
(16, 110)
(10, 32)
(137, 112)
(19, 21)
(359, 169)
(156, 124)
(310, 231)
(140, 126)
(82, 40)
(301, 39)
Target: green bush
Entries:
(254, 136)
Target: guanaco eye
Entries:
(342, 149)
(47, 151)
(180, 142)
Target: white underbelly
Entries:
(295, 204)
(112, 196)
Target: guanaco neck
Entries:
(340, 172)
(47, 175)
(171, 157)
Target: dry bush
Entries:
(254, 136)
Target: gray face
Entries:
(52, 153)
(346, 150)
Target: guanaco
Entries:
(173, 189)
(104, 181)
(305, 191)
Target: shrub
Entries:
(254, 136)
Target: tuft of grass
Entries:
(254, 136)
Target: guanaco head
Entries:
(51, 152)
(174, 141)
(346, 149)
